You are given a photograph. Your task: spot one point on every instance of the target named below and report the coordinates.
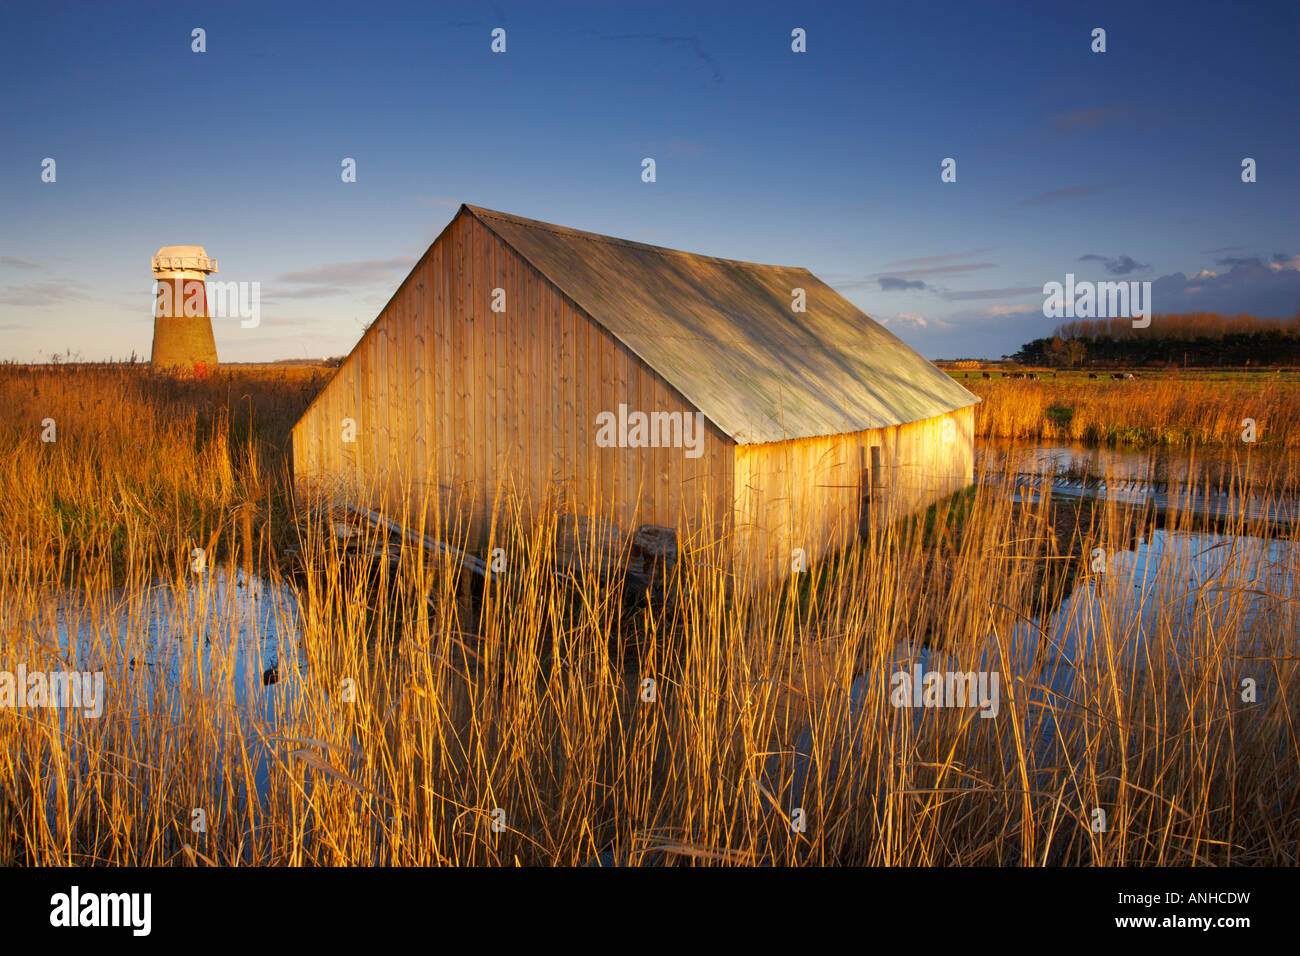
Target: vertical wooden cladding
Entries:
(460, 409)
(459, 403)
(806, 493)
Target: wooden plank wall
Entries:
(805, 493)
(455, 404)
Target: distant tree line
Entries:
(1193, 338)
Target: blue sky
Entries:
(828, 159)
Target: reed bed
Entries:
(392, 713)
(1163, 410)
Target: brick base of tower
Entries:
(181, 342)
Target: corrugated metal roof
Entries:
(723, 333)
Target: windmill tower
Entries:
(182, 331)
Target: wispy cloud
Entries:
(295, 322)
(910, 320)
(17, 263)
(38, 294)
(364, 270)
(1066, 192)
(931, 271)
(932, 260)
(898, 280)
(895, 284)
(1277, 262)
(1119, 266)
(339, 278)
(307, 292)
(992, 293)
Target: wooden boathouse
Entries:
(519, 360)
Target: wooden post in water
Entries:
(873, 492)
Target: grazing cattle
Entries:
(1092, 375)
(986, 374)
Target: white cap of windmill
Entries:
(182, 262)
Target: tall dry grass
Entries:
(1164, 410)
(410, 712)
(141, 463)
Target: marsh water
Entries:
(223, 628)
(1161, 465)
(239, 631)
(1254, 484)
(1185, 583)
